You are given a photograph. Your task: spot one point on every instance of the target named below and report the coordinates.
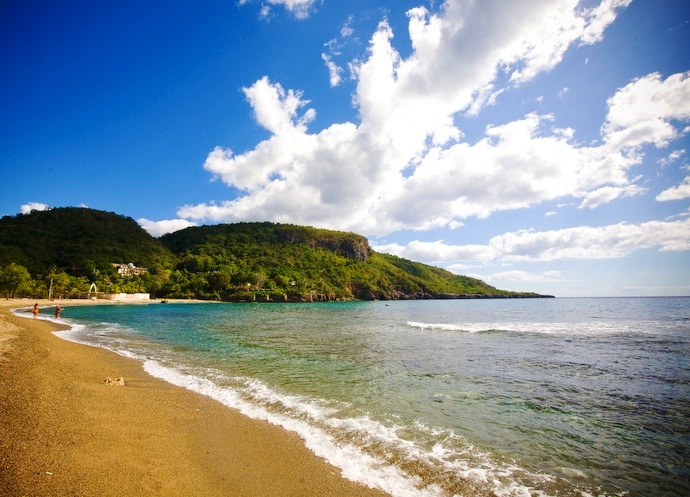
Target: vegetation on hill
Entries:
(77, 240)
(63, 251)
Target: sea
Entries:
(514, 397)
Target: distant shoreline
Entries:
(44, 303)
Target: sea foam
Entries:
(354, 464)
(373, 450)
(364, 449)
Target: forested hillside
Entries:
(78, 240)
(74, 247)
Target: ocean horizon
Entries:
(509, 397)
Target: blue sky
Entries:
(540, 145)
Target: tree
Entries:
(78, 286)
(59, 281)
(219, 280)
(13, 279)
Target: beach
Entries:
(564, 397)
(64, 431)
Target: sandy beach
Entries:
(63, 431)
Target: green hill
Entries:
(78, 240)
(266, 261)
(234, 262)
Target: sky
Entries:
(539, 145)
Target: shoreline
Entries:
(63, 431)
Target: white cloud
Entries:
(33, 206)
(301, 9)
(438, 251)
(599, 18)
(347, 30)
(523, 276)
(405, 166)
(334, 49)
(276, 109)
(679, 192)
(607, 194)
(681, 215)
(584, 243)
(334, 69)
(158, 228)
(671, 158)
(643, 111)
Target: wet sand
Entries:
(63, 431)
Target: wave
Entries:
(489, 327)
(354, 464)
(389, 455)
(364, 449)
(255, 400)
(596, 328)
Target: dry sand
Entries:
(63, 432)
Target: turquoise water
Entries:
(488, 397)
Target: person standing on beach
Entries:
(58, 310)
(35, 311)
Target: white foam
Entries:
(317, 421)
(556, 328)
(355, 464)
(80, 333)
(437, 326)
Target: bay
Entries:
(571, 396)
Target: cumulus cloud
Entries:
(579, 243)
(404, 164)
(159, 228)
(33, 206)
(643, 111)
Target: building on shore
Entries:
(129, 270)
